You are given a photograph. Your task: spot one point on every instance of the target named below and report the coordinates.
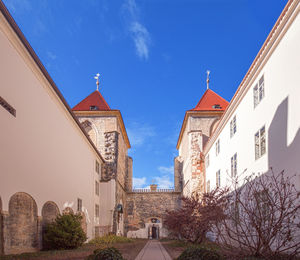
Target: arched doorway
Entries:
(154, 228)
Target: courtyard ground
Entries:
(129, 251)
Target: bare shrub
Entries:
(196, 216)
(262, 218)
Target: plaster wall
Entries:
(278, 111)
(43, 151)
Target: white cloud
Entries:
(139, 182)
(141, 39)
(139, 32)
(18, 5)
(164, 182)
(164, 169)
(51, 55)
(139, 133)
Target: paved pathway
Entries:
(153, 250)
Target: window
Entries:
(97, 188)
(218, 178)
(218, 147)
(207, 160)
(97, 231)
(94, 108)
(79, 205)
(259, 91)
(234, 165)
(7, 106)
(208, 186)
(262, 203)
(260, 143)
(97, 211)
(261, 88)
(216, 106)
(97, 167)
(233, 126)
(235, 212)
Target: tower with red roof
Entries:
(105, 127)
(198, 125)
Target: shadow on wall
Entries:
(282, 156)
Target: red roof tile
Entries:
(94, 99)
(209, 102)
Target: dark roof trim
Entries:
(38, 62)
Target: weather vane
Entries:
(97, 82)
(207, 79)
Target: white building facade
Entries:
(260, 128)
(48, 162)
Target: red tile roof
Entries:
(94, 99)
(209, 100)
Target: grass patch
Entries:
(109, 239)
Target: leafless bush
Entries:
(262, 218)
(197, 215)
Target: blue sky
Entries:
(152, 56)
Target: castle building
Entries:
(198, 125)
(106, 129)
(258, 129)
(55, 159)
(49, 164)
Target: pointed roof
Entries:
(211, 101)
(95, 99)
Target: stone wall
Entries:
(128, 183)
(141, 207)
(21, 229)
(178, 181)
(195, 136)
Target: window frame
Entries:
(79, 205)
(260, 144)
(207, 161)
(234, 165)
(217, 147)
(97, 188)
(218, 179)
(259, 91)
(97, 210)
(97, 167)
(233, 127)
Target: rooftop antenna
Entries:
(207, 79)
(97, 82)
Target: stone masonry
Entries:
(143, 206)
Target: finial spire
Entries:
(207, 79)
(97, 82)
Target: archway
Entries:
(154, 228)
